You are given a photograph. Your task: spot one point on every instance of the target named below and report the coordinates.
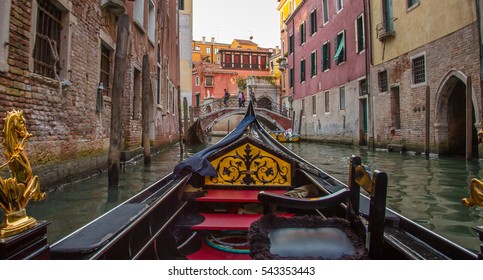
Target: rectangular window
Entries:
(325, 16)
(138, 12)
(339, 5)
(291, 77)
(342, 98)
(382, 77)
(339, 56)
(255, 62)
(313, 22)
(313, 64)
(302, 70)
(419, 70)
(326, 102)
(360, 43)
(105, 68)
(181, 4)
(209, 81)
(48, 35)
(412, 3)
(362, 87)
(263, 62)
(228, 61)
(152, 21)
(290, 44)
(208, 50)
(302, 33)
(236, 61)
(326, 56)
(5, 7)
(216, 50)
(158, 85)
(314, 105)
(197, 80)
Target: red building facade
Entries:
(326, 68)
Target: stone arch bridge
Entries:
(270, 114)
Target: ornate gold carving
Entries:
(249, 165)
(476, 194)
(363, 178)
(16, 192)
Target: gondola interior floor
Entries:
(220, 222)
(207, 252)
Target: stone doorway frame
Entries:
(445, 88)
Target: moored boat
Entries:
(243, 198)
(285, 136)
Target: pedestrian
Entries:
(239, 99)
(243, 99)
(252, 98)
(226, 97)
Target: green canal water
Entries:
(427, 191)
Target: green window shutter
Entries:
(340, 53)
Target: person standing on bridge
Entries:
(226, 97)
(240, 99)
(243, 99)
(252, 98)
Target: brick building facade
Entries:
(65, 109)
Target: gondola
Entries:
(285, 136)
(249, 197)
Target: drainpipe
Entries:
(480, 40)
(368, 57)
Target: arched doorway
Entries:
(450, 116)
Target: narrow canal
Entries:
(427, 191)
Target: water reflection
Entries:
(427, 191)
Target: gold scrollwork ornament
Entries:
(17, 191)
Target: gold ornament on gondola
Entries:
(15, 192)
(476, 194)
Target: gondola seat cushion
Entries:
(304, 237)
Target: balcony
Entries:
(116, 7)
(385, 30)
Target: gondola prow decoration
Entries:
(476, 194)
(17, 191)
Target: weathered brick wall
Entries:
(458, 52)
(71, 139)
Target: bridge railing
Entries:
(218, 104)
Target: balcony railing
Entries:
(383, 31)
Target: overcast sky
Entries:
(237, 19)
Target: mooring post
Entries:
(147, 93)
(428, 114)
(469, 124)
(120, 67)
(185, 118)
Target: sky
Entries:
(227, 20)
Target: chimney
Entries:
(277, 50)
(212, 40)
(203, 39)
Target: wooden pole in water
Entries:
(180, 123)
(147, 92)
(469, 125)
(120, 66)
(185, 118)
(428, 114)
(300, 122)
